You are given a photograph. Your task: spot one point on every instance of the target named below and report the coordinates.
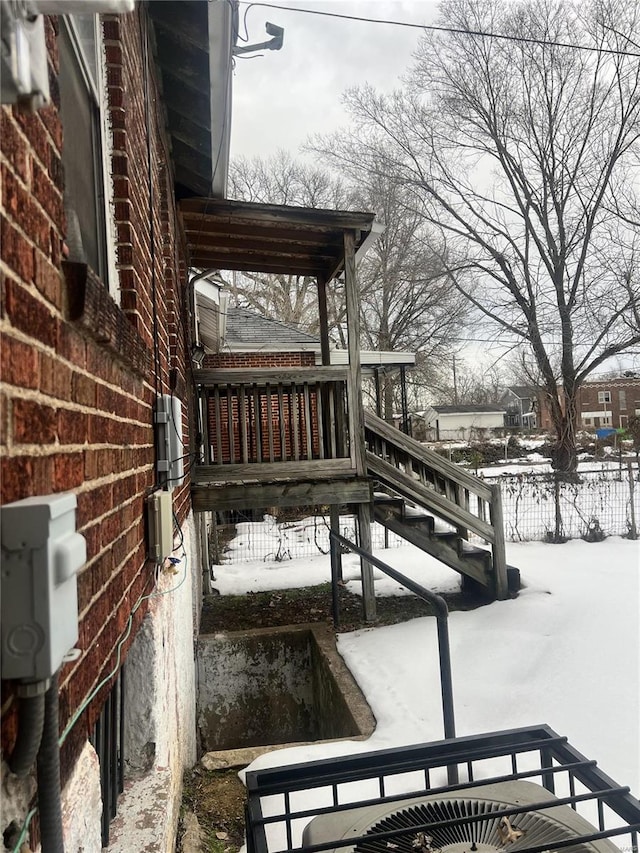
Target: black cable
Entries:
(452, 30)
(30, 724)
(48, 775)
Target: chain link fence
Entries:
(536, 507)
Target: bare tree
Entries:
(282, 180)
(520, 155)
(407, 301)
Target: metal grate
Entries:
(107, 740)
(282, 801)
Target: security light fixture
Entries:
(197, 354)
(274, 43)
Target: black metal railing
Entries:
(532, 753)
(441, 611)
(107, 739)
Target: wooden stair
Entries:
(425, 532)
(436, 505)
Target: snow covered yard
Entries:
(566, 652)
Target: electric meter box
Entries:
(41, 555)
(170, 447)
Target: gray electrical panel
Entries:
(170, 447)
(41, 555)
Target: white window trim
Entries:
(604, 396)
(98, 90)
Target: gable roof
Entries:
(523, 392)
(251, 332)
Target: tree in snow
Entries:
(521, 155)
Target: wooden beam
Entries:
(200, 224)
(272, 375)
(356, 412)
(298, 493)
(366, 569)
(316, 469)
(244, 263)
(324, 320)
(315, 219)
(500, 581)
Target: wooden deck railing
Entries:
(440, 486)
(274, 422)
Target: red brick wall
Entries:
(241, 361)
(76, 409)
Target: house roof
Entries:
(192, 44)
(270, 238)
(248, 332)
(469, 410)
(523, 392)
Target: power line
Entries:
(452, 30)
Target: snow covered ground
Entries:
(566, 652)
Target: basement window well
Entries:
(274, 686)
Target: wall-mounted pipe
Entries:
(30, 723)
(48, 775)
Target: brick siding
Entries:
(76, 409)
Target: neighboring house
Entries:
(463, 422)
(601, 403)
(93, 335)
(521, 404)
(608, 403)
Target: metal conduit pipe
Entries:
(30, 723)
(442, 618)
(48, 775)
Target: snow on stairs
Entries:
(423, 530)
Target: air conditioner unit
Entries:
(493, 833)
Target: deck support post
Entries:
(501, 586)
(356, 418)
(336, 556)
(366, 569)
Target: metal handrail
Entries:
(442, 620)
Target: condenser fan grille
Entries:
(488, 834)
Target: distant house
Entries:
(521, 404)
(608, 402)
(463, 422)
(599, 403)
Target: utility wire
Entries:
(452, 30)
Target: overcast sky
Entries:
(284, 96)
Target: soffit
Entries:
(182, 55)
(234, 235)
